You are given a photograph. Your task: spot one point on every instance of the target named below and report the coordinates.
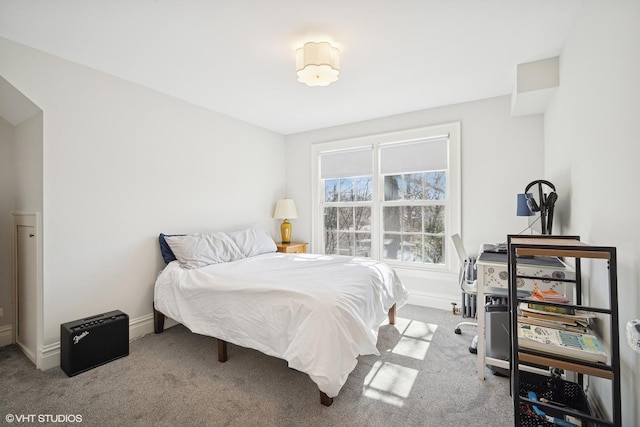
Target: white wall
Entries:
(122, 163)
(500, 156)
(592, 150)
(28, 165)
(7, 201)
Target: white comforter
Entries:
(317, 312)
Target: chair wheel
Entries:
(473, 348)
(458, 331)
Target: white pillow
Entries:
(253, 241)
(197, 250)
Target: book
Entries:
(556, 318)
(582, 347)
(578, 317)
(573, 327)
(550, 295)
(552, 308)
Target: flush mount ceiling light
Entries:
(317, 64)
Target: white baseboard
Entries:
(169, 322)
(6, 335)
(596, 405)
(426, 299)
(49, 356)
(31, 355)
(138, 327)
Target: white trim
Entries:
(31, 219)
(454, 183)
(432, 300)
(6, 335)
(31, 354)
(49, 355)
(140, 326)
(599, 410)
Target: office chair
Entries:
(469, 288)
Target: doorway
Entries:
(27, 284)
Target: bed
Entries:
(317, 312)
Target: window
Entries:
(393, 197)
(347, 179)
(413, 228)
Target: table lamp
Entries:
(285, 210)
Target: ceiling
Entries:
(238, 57)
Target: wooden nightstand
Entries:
(292, 248)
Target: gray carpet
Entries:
(425, 376)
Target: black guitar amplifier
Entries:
(96, 340)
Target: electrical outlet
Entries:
(454, 308)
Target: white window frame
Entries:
(454, 192)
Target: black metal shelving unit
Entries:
(575, 403)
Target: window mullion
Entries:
(376, 214)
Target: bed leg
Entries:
(324, 399)
(392, 315)
(158, 321)
(222, 351)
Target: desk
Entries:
(493, 277)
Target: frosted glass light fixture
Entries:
(317, 64)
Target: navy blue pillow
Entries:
(165, 249)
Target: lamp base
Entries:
(285, 230)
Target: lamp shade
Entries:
(523, 208)
(317, 64)
(285, 209)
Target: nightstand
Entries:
(292, 248)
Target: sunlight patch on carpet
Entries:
(415, 339)
(411, 347)
(389, 383)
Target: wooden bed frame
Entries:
(158, 327)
